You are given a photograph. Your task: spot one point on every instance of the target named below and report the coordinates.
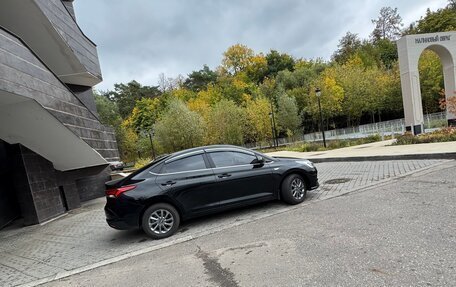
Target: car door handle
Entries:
(168, 183)
(224, 175)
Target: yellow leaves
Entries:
(199, 105)
(237, 58)
(355, 61)
(258, 122)
(183, 94)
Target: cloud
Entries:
(139, 39)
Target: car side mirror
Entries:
(258, 161)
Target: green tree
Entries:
(277, 62)
(126, 95)
(107, 110)
(347, 47)
(288, 119)
(387, 51)
(179, 128)
(144, 114)
(431, 80)
(199, 80)
(226, 124)
(439, 21)
(388, 25)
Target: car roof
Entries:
(209, 147)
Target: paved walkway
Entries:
(81, 240)
(378, 151)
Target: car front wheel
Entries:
(294, 189)
(160, 220)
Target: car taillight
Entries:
(116, 192)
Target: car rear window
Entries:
(190, 163)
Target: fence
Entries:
(393, 127)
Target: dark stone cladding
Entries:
(85, 95)
(23, 74)
(43, 193)
(36, 186)
(84, 49)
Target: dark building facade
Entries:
(54, 152)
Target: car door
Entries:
(238, 178)
(189, 181)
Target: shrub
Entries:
(442, 135)
(140, 162)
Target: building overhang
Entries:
(25, 121)
(27, 20)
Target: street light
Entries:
(318, 93)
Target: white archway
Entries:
(409, 49)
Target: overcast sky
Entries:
(139, 39)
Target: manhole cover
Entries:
(337, 180)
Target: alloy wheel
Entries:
(298, 189)
(161, 221)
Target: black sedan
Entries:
(200, 181)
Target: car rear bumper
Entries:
(116, 221)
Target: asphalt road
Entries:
(400, 233)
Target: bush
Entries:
(179, 128)
(140, 162)
(443, 135)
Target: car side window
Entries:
(231, 158)
(190, 163)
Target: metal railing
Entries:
(386, 128)
(392, 127)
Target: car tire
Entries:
(160, 220)
(294, 189)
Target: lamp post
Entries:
(318, 93)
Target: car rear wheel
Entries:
(160, 220)
(294, 189)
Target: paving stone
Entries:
(82, 237)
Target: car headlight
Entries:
(306, 162)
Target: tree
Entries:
(288, 119)
(439, 21)
(167, 84)
(347, 47)
(199, 80)
(107, 110)
(258, 122)
(126, 95)
(278, 62)
(144, 114)
(179, 128)
(388, 24)
(431, 80)
(236, 58)
(351, 77)
(387, 51)
(452, 4)
(226, 124)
